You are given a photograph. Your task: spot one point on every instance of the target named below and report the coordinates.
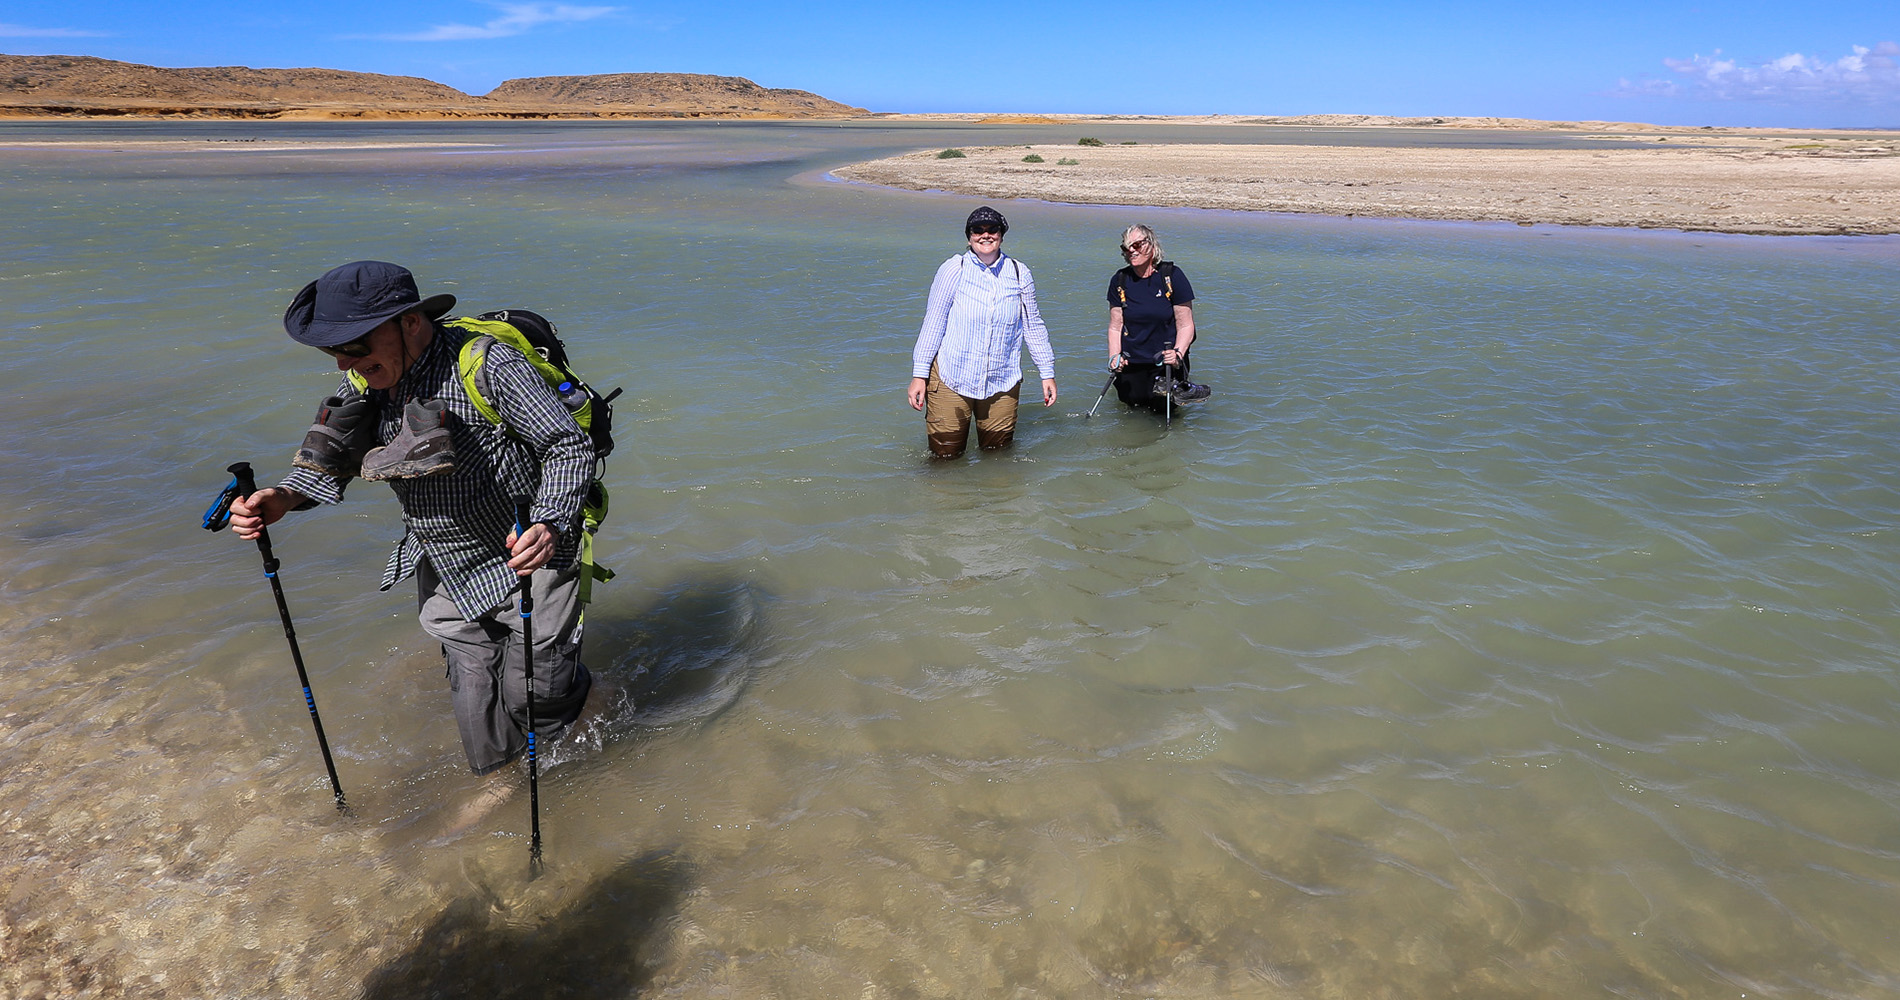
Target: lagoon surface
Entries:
(1518, 619)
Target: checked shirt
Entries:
(460, 520)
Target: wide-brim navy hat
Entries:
(354, 299)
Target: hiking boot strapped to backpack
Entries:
(422, 445)
(345, 428)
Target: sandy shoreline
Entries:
(1756, 181)
(1779, 184)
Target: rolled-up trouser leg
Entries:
(487, 680)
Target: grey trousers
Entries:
(487, 676)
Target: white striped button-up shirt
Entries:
(975, 324)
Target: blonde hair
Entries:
(1154, 242)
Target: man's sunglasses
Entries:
(1135, 247)
(358, 348)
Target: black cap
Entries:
(351, 300)
(982, 215)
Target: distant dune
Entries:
(88, 87)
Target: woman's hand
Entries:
(917, 393)
(1048, 392)
(1183, 334)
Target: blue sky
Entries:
(1775, 64)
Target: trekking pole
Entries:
(527, 659)
(1167, 372)
(243, 484)
(1104, 395)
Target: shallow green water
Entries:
(1518, 619)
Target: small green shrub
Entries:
(1066, 162)
(1032, 158)
(950, 154)
(1086, 141)
(1130, 142)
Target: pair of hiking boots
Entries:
(338, 444)
(1181, 389)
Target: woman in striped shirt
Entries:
(967, 365)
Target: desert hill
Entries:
(84, 78)
(86, 86)
(661, 90)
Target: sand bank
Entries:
(1774, 184)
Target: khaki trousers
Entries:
(948, 414)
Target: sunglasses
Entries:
(986, 229)
(358, 348)
(1135, 247)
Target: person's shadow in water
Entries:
(684, 659)
(606, 944)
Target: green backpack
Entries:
(536, 339)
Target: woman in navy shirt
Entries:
(1150, 324)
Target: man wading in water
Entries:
(412, 424)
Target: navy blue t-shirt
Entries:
(1148, 311)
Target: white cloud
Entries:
(22, 31)
(515, 19)
(1866, 75)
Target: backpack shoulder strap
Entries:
(470, 365)
(479, 335)
(1022, 301)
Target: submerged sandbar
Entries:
(1778, 183)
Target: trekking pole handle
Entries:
(246, 483)
(522, 505)
(246, 480)
(218, 515)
